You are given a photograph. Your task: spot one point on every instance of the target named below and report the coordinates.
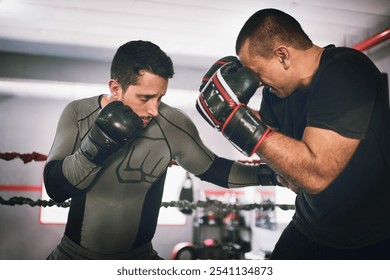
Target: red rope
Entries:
(25, 157)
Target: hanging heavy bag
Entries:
(186, 194)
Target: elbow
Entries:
(57, 198)
(317, 185)
(53, 192)
(53, 184)
(313, 190)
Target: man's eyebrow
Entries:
(151, 94)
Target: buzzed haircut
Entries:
(269, 27)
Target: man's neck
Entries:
(311, 61)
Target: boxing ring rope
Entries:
(24, 157)
(182, 204)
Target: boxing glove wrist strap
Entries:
(245, 131)
(97, 146)
(267, 176)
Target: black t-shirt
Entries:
(347, 95)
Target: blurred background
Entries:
(54, 51)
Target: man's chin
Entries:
(273, 91)
(279, 94)
(146, 122)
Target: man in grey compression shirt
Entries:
(111, 154)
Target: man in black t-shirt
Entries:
(324, 127)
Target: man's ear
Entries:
(115, 89)
(283, 55)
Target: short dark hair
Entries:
(268, 27)
(134, 56)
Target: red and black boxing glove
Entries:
(222, 103)
(218, 64)
(231, 85)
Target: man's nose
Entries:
(153, 108)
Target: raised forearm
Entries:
(293, 160)
(311, 163)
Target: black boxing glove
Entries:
(218, 64)
(115, 124)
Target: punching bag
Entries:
(187, 193)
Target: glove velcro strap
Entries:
(97, 146)
(244, 130)
(224, 89)
(214, 103)
(204, 109)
